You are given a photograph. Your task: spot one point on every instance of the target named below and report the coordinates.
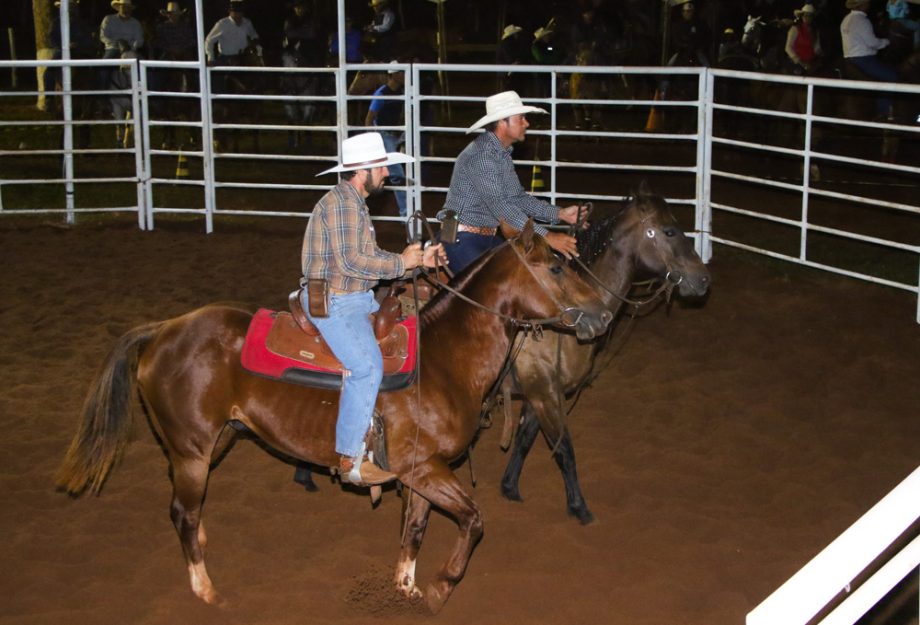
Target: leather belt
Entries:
(484, 231)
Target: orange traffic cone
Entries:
(654, 121)
(182, 166)
(536, 180)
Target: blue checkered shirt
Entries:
(484, 189)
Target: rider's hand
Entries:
(570, 214)
(434, 251)
(562, 243)
(412, 256)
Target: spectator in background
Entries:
(352, 44)
(512, 50)
(175, 38)
(803, 45)
(390, 113)
(82, 46)
(230, 36)
(689, 37)
(860, 46)
(300, 34)
(899, 12)
(382, 31)
(120, 31)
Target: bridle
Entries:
(671, 278)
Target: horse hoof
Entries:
(435, 599)
(512, 494)
(584, 516)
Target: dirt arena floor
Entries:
(727, 444)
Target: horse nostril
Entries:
(606, 317)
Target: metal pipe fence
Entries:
(439, 103)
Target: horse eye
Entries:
(556, 269)
(670, 232)
(650, 233)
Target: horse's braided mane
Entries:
(592, 242)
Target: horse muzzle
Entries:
(587, 325)
(691, 284)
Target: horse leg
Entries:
(190, 479)
(526, 435)
(434, 480)
(415, 521)
(565, 459)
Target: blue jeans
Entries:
(875, 69)
(391, 142)
(350, 335)
(469, 247)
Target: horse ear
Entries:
(644, 189)
(527, 236)
(508, 231)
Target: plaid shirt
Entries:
(484, 189)
(340, 245)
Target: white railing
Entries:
(709, 146)
(827, 583)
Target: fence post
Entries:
(703, 218)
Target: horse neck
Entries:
(451, 326)
(615, 265)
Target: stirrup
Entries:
(363, 473)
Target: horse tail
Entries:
(106, 427)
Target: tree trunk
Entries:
(41, 16)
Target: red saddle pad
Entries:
(257, 358)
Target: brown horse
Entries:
(196, 394)
(642, 242)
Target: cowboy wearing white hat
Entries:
(484, 187)
(120, 31)
(340, 251)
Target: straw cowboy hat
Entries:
(855, 4)
(510, 30)
(501, 106)
(374, 3)
(172, 8)
(808, 8)
(365, 151)
(127, 3)
(545, 31)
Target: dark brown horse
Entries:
(196, 394)
(642, 242)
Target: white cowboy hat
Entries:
(501, 106)
(365, 151)
(510, 30)
(127, 3)
(394, 70)
(808, 8)
(171, 8)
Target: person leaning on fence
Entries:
(803, 45)
(340, 247)
(860, 47)
(390, 113)
(484, 188)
